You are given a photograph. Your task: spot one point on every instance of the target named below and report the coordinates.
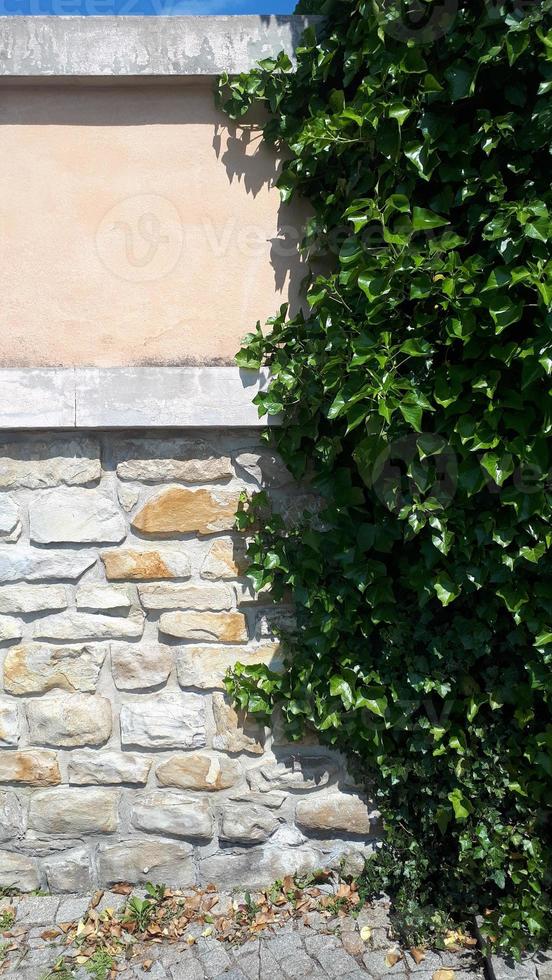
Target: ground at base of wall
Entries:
(320, 935)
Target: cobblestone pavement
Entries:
(313, 947)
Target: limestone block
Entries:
(32, 598)
(9, 724)
(11, 630)
(74, 514)
(18, 871)
(142, 861)
(49, 462)
(33, 565)
(35, 668)
(74, 811)
(230, 737)
(266, 469)
(179, 511)
(128, 497)
(246, 823)
(171, 721)
(172, 814)
(173, 595)
(225, 559)
(340, 812)
(68, 871)
(206, 667)
(66, 721)
(134, 565)
(227, 627)
(258, 866)
(104, 598)
(172, 460)
(30, 767)
(136, 666)
(198, 771)
(12, 817)
(299, 773)
(9, 515)
(107, 767)
(271, 621)
(87, 626)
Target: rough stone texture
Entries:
(225, 560)
(225, 627)
(86, 626)
(166, 721)
(206, 667)
(230, 737)
(143, 861)
(178, 510)
(74, 811)
(258, 865)
(198, 771)
(76, 720)
(171, 595)
(137, 666)
(30, 767)
(338, 812)
(173, 815)
(174, 460)
(246, 823)
(73, 514)
(103, 598)
(68, 872)
(12, 818)
(9, 724)
(32, 598)
(36, 668)
(50, 462)
(295, 772)
(135, 565)
(9, 515)
(10, 630)
(18, 871)
(34, 565)
(107, 767)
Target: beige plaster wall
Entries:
(135, 228)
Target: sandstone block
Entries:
(172, 814)
(36, 668)
(9, 724)
(74, 811)
(225, 559)
(142, 861)
(206, 667)
(170, 721)
(246, 823)
(18, 871)
(299, 773)
(33, 565)
(11, 630)
(12, 817)
(178, 511)
(9, 515)
(136, 666)
(198, 771)
(174, 460)
(86, 626)
(32, 598)
(107, 767)
(74, 514)
(49, 463)
(137, 565)
(230, 737)
(68, 721)
(30, 767)
(173, 595)
(104, 598)
(258, 866)
(227, 627)
(68, 871)
(341, 812)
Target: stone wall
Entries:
(123, 602)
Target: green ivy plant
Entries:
(415, 394)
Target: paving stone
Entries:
(377, 965)
(188, 969)
(299, 964)
(37, 911)
(214, 959)
(284, 943)
(505, 968)
(336, 962)
(72, 908)
(320, 943)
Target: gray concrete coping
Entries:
(132, 47)
(130, 397)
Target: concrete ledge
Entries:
(83, 48)
(138, 398)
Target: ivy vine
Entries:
(415, 392)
